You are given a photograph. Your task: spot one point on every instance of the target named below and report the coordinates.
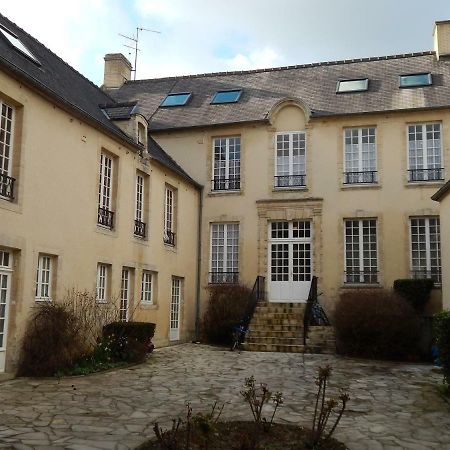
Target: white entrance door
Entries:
(174, 333)
(290, 261)
(5, 291)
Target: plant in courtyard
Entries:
(376, 323)
(325, 407)
(206, 424)
(415, 291)
(168, 439)
(228, 304)
(441, 326)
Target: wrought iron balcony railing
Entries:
(226, 184)
(356, 276)
(364, 177)
(223, 277)
(105, 218)
(434, 274)
(426, 174)
(290, 181)
(139, 228)
(7, 186)
(169, 238)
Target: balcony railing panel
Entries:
(290, 181)
(367, 276)
(436, 174)
(7, 186)
(105, 218)
(139, 228)
(169, 238)
(364, 177)
(223, 277)
(226, 184)
(433, 274)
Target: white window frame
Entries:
(147, 287)
(6, 163)
(6, 270)
(175, 308)
(415, 272)
(425, 164)
(124, 307)
(291, 160)
(360, 178)
(361, 253)
(228, 185)
(140, 189)
(44, 278)
(102, 283)
(233, 276)
(105, 184)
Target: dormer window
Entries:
(230, 96)
(176, 99)
(17, 44)
(142, 134)
(358, 85)
(416, 80)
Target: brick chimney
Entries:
(117, 71)
(441, 39)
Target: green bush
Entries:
(228, 304)
(442, 336)
(376, 323)
(416, 292)
(129, 341)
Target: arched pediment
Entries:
(289, 103)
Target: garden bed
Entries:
(237, 435)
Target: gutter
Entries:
(199, 260)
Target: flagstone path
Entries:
(393, 405)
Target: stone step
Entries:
(280, 308)
(274, 328)
(270, 322)
(277, 315)
(273, 340)
(275, 333)
(274, 348)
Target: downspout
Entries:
(199, 259)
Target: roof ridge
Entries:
(291, 67)
(57, 56)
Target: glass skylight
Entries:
(415, 80)
(16, 43)
(359, 85)
(231, 96)
(176, 99)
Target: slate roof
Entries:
(313, 84)
(62, 82)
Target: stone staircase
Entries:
(278, 327)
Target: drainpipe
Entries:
(199, 259)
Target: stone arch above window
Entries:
(289, 114)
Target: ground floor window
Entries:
(124, 295)
(175, 309)
(224, 264)
(44, 277)
(361, 252)
(103, 280)
(5, 292)
(146, 287)
(425, 248)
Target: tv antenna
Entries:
(135, 45)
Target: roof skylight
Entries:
(176, 99)
(358, 85)
(231, 96)
(17, 44)
(416, 80)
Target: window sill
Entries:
(224, 193)
(9, 205)
(42, 299)
(101, 302)
(344, 187)
(361, 286)
(433, 184)
(289, 188)
(145, 305)
(106, 231)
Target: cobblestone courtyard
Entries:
(393, 406)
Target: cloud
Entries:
(257, 59)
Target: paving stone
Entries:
(392, 406)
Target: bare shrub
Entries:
(228, 304)
(376, 323)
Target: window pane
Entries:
(226, 96)
(352, 85)
(420, 79)
(176, 99)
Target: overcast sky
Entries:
(217, 35)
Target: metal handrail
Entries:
(362, 177)
(7, 186)
(435, 174)
(258, 294)
(105, 217)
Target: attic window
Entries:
(17, 44)
(416, 80)
(231, 96)
(358, 85)
(176, 99)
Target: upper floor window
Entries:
(425, 152)
(227, 164)
(6, 151)
(176, 99)
(224, 264)
(169, 217)
(103, 280)
(361, 252)
(105, 215)
(290, 161)
(416, 80)
(360, 157)
(359, 85)
(231, 96)
(44, 270)
(139, 224)
(425, 248)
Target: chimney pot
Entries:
(117, 71)
(441, 38)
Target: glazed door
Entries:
(175, 304)
(5, 292)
